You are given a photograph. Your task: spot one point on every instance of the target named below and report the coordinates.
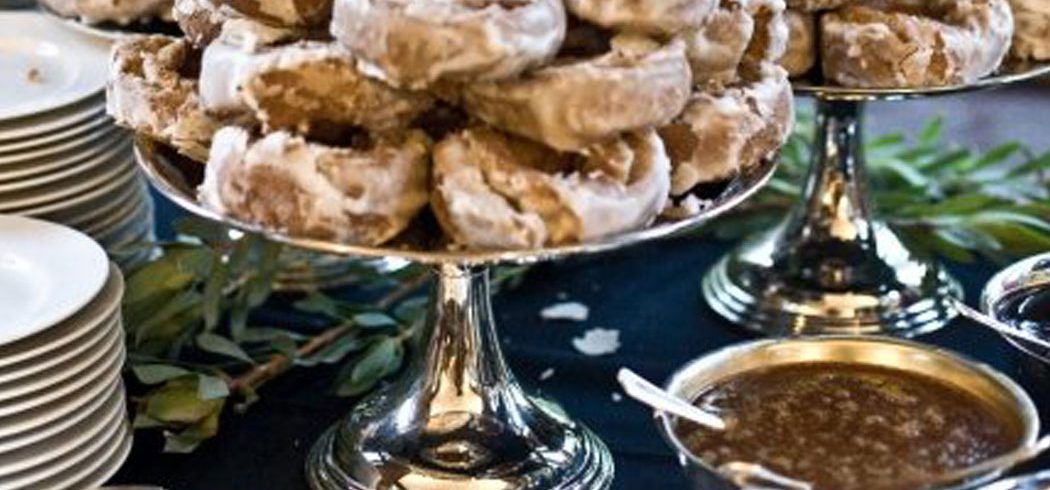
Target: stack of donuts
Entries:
(913, 43)
(514, 124)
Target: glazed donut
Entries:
(152, 90)
(646, 16)
(282, 182)
(1031, 29)
(817, 5)
(496, 191)
(913, 44)
(723, 131)
(284, 13)
(578, 103)
(801, 53)
(416, 43)
(202, 20)
(738, 34)
(303, 86)
(121, 12)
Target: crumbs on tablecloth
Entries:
(572, 311)
(547, 374)
(598, 342)
(33, 75)
(617, 397)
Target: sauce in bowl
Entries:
(842, 426)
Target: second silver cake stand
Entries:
(831, 267)
(456, 419)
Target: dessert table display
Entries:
(63, 417)
(61, 157)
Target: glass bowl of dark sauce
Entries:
(1019, 296)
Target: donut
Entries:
(915, 44)
(575, 104)
(801, 53)
(738, 34)
(121, 12)
(417, 43)
(202, 20)
(723, 131)
(284, 13)
(645, 16)
(152, 89)
(362, 196)
(1031, 30)
(303, 86)
(817, 5)
(497, 191)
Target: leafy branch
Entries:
(195, 349)
(942, 199)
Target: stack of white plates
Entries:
(63, 421)
(61, 158)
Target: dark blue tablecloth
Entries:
(651, 293)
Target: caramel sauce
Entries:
(848, 427)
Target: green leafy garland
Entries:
(941, 199)
(194, 350)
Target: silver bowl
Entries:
(1029, 274)
(978, 379)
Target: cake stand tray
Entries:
(831, 267)
(456, 419)
(112, 31)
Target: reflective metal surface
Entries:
(831, 267)
(980, 380)
(113, 31)
(457, 419)
(1027, 276)
(1035, 481)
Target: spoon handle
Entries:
(638, 388)
(998, 326)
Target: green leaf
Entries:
(1037, 164)
(211, 387)
(380, 360)
(152, 374)
(931, 133)
(207, 231)
(183, 302)
(214, 291)
(320, 304)
(269, 334)
(997, 155)
(886, 140)
(286, 346)
(177, 402)
(217, 344)
(412, 308)
(374, 319)
(336, 351)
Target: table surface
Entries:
(651, 293)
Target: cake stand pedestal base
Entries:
(458, 420)
(831, 268)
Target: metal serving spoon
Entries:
(998, 326)
(656, 398)
(748, 476)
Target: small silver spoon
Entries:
(750, 476)
(656, 398)
(998, 326)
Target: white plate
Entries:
(27, 144)
(27, 460)
(99, 373)
(112, 396)
(96, 339)
(76, 145)
(45, 122)
(119, 216)
(27, 170)
(71, 66)
(69, 173)
(29, 386)
(26, 200)
(39, 418)
(48, 272)
(93, 472)
(77, 204)
(129, 227)
(104, 307)
(91, 215)
(86, 453)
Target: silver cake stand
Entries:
(830, 267)
(456, 419)
(112, 31)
